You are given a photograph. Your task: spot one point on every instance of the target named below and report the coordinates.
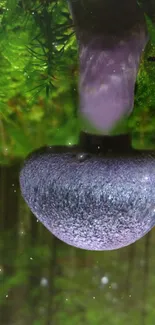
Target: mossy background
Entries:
(39, 78)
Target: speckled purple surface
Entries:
(111, 36)
(94, 204)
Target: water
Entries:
(44, 281)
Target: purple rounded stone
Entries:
(91, 202)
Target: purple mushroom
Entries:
(100, 194)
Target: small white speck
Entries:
(31, 258)
(104, 280)
(123, 66)
(21, 232)
(145, 178)
(93, 297)
(81, 156)
(44, 282)
(7, 296)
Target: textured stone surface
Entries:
(94, 203)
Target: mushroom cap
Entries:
(91, 201)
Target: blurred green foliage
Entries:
(39, 77)
(38, 83)
(62, 284)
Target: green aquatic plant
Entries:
(39, 76)
(36, 58)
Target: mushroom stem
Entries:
(114, 144)
(111, 37)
